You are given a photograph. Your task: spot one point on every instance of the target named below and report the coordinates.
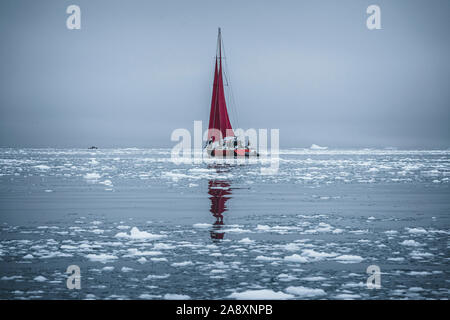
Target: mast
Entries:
(219, 38)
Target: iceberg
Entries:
(317, 147)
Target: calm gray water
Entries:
(142, 227)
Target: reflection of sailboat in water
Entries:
(220, 192)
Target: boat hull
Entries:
(236, 153)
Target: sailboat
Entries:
(222, 142)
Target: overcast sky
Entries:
(137, 70)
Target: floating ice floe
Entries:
(304, 292)
(309, 255)
(419, 255)
(295, 258)
(246, 241)
(286, 277)
(264, 294)
(202, 225)
(417, 230)
(315, 255)
(316, 278)
(216, 272)
(354, 285)
(182, 264)
(323, 227)
(171, 296)
(106, 183)
(411, 243)
(347, 296)
(92, 176)
(40, 279)
(135, 252)
(347, 258)
(159, 259)
(68, 247)
(291, 247)
(175, 176)
(236, 230)
(277, 229)
(102, 257)
(202, 170)
(419, 273)
(359, 231)
(6, 278)
(156, 276)
(147, 296)
(109, 268)
(396, 259)
(216, 254)
(126, 269)
(136, 234)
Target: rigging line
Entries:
(228, 84)
(230, 93)
(233, 104)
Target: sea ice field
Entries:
(142, 227)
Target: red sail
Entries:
(218, 118)
(225, 125)
(214, 120)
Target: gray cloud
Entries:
(139, 69)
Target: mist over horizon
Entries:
(138, 70)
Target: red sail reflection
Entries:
(219, 191)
